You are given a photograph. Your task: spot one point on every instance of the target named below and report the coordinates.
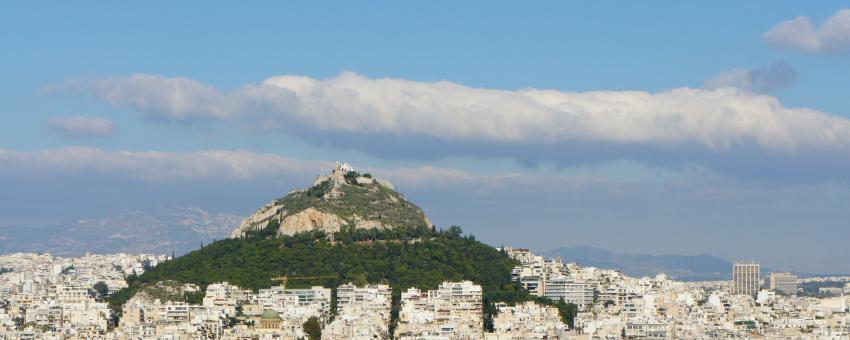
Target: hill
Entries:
(680, 267)
(411, 257)
(418, 257)
(347, 227)
(342, 198)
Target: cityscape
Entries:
(383, 170)
(46, 296)
(54, 297)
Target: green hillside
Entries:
(408, 252)
(411, 257)
(419, 257)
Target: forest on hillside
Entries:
(401, 257)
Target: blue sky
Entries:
(675, 124)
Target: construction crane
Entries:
(285, 278)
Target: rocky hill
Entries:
(343, 198)
(347, 227)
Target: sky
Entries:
(664, 127)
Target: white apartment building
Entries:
(362, 313)
(526, 321)
(648, 330)
(785, 283)
(225, 297)
(276, 296)
(71, 293)
(453, 311)
(367, 296)
(618, 294)
(571, 291)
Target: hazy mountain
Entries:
(142, 231)
(682, 267)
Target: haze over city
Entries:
(717, 128)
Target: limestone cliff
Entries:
(336, 200)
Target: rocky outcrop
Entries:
(339, 199)
(312, 219)
(258, 219)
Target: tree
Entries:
(195, 298)
(568, 312)
(101, 288)
(454, 232)
(313, 328)
(147, 264)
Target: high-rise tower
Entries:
(745, 278)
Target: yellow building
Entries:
(270, 319)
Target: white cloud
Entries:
(430, 177)
(799, 34)
(156, 165)
(764, 80)
(165, 98)
(353, 105)
(81, 126)
(243, 165)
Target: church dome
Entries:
(270, 314)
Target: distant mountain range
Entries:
(158, 231)
(680, 267)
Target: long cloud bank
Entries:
(398, 118)
(233, 165)
(153, 165)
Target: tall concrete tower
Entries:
(745, 278)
